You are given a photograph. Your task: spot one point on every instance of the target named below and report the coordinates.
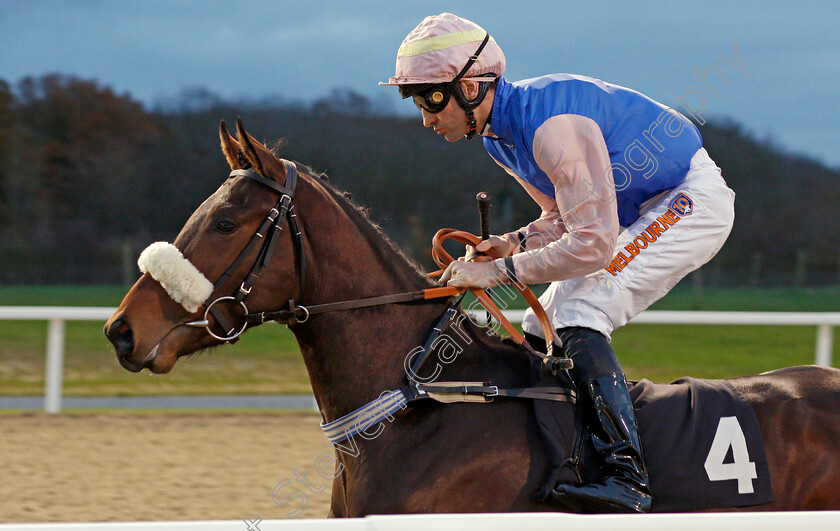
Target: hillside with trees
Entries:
(89, 177)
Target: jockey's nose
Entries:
(119, 334)
(429, 118)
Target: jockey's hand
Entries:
(501, 245)
(462, 274)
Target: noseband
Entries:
(268, 233)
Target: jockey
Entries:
(630, 200)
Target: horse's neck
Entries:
(353, 356)
(352, 359)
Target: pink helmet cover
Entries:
(439, 47)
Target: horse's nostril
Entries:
(121, 336)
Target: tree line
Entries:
(89, 177)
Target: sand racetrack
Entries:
(128, 466)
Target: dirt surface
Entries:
(129, 466)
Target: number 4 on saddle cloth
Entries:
(701, 441)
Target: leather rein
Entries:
(268, 233)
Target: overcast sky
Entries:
(785, 88)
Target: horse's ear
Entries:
(229, 147)
(248, 148)
(265, 162)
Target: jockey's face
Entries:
(451, 122)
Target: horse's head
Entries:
(226, 241)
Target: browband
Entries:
(291, 179)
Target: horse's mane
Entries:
(371, 230)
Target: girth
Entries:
(390, 402)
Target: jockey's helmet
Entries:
(439, 53)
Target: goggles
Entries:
(434, 99)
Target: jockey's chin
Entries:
(454, 136)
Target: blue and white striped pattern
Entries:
(366, 416)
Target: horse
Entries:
(430, 457)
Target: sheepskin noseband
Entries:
(178, 276)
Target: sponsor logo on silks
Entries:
(649, 235)
(682, 205)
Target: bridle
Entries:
(268, 233)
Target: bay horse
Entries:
(430, 457)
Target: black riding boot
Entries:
(600, 381)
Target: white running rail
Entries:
(58, 315)
(756, 521)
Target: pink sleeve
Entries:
(571, 150)
(546, 228)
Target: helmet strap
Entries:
(471, 123)
(469, 105)
(473, 58)
(465, 104)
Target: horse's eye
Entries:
(225, 226)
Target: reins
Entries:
(292, 316)
(268, 234)
(392, 401)
(443, 259)
(300, 314)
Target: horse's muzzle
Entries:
(120, 335)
